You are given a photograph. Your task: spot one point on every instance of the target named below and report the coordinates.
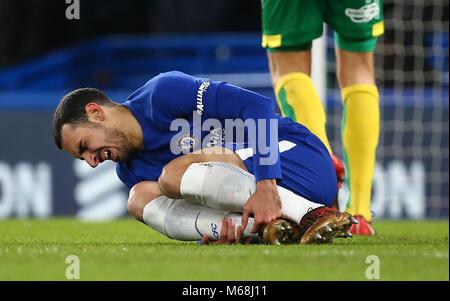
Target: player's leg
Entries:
(308, 174)
(360, 126)
(178, 218)
(356, 35)
(360, 129)
(218, 178)
(289, 27)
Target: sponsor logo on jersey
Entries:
(187, 143)
(363, 14)
(201, 90)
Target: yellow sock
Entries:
(298, 99)
(361, 128)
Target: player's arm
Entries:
(235, 102)
(179, 95)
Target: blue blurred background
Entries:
(117, 46)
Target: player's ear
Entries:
(95, 112)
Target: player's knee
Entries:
(163, 180)
(167, 181)
(170, 179)
(140, 195)
(135, 209)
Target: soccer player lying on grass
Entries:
(207, 160)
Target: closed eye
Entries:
(81, 149)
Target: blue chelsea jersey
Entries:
(173, 99)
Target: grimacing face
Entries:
(95, 143)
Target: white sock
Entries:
(293, 206)
(182, 220)
(227, 187)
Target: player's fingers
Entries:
(230, 236)
(256, 226)
(239, 234)
(245, 215)
(278, 213)
(273, 217)
(223, 231)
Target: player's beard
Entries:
(119, 140)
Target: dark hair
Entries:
(71, 109)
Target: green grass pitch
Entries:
(128, 250)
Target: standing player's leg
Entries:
(295, 92)
(356, 35)
(289, 27)
(360, 128)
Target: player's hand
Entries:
(264, 204)
(226, 236)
